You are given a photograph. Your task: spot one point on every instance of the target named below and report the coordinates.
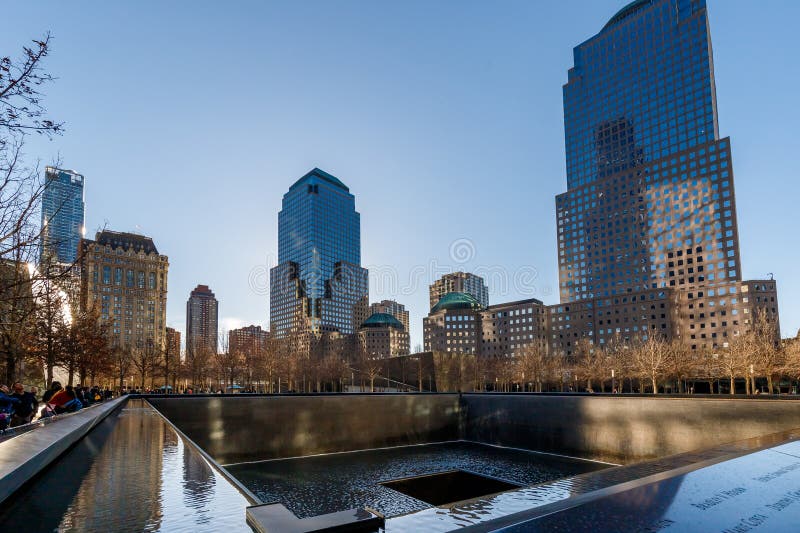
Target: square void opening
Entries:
(448, 487)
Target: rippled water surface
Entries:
(311, 486)
(131, 473)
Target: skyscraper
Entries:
(125, 276)
(647, 231)
(62, 215)
(201, 321)
(318, 285)
(471, 284)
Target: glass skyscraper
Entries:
(62, 215)
(647, 229)
(318, 285)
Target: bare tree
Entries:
(229, 363)
(683, 364)
(735, 361)
(652, 359)
(143, 359)
(534, 366)
(21, 108)
(21, 187)
(589, 363)
(91, 340)
(370, 368)
(768, 356)
(271, 364)
(121, 363)
(48, 325)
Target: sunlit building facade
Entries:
(459, 323)
(647, 230)
(173, 343)
(126, 276)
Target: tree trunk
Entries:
(733, 386)
(769, 384)
(655, 386)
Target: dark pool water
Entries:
(322, 484)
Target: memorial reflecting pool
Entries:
(310, 486)
(447, 461)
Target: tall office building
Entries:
(647, 231)
(62, 218)
(125, 276)
(393, 308)
(201, 321)
(459, 282)
(318, 285)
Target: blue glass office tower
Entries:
(318, 285)
(62, 215)
(647, 229)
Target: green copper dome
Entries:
(379, 320)
(456, 300)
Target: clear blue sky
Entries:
(191, 119)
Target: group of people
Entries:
(21, 407)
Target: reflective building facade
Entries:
(62, 215)
(647, 229)
(318, 285)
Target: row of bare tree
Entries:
(656, 364)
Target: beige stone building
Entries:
(508, 327)
(382, 336)
(125, 276)
(393, 308)
(459, 323)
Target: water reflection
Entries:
(131, 473)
